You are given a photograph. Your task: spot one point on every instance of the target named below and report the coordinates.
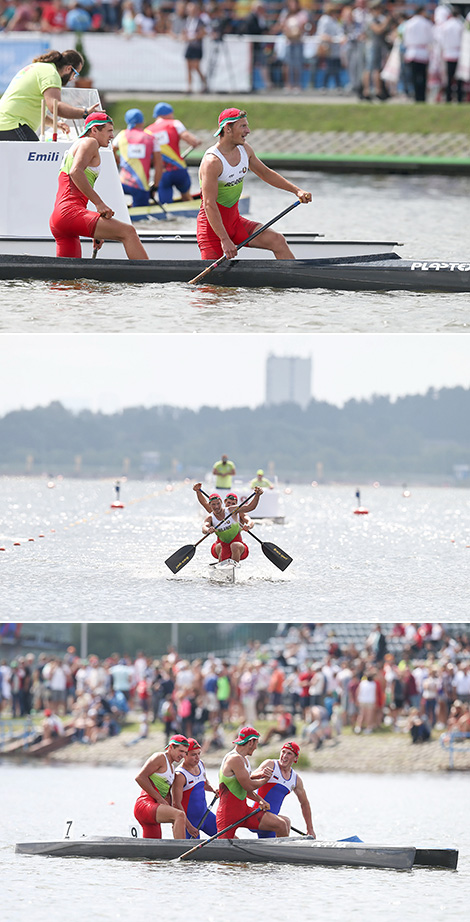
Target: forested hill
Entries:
(415, 435)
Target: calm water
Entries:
(407, 560)
(423, 810)
(427, 214)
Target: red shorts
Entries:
(71, 219)
(226, 546)
(237, 228)
(232, 810)
(145, 812)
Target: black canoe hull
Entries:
(296, 851)
(347, 274)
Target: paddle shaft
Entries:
(43, 120)
(221, 833)
(54, 119)
(260, 230)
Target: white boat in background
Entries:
(270, 505)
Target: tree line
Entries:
(419, 435)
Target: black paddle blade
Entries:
(180, 558)
(276, 555)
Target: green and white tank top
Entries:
(91, 172)
(230, 781)
(163, 781)
(225, 531)
(231, 178)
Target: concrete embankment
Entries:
(375, 753)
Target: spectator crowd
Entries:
(423, 684)
(370, 48)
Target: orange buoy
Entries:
(361, 511)
(16, 544)
(117, 506)
(30, 539)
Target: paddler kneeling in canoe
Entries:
(79, 171)
(237, 783)
(153, 806)
(229, 544)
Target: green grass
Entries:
(202, 114)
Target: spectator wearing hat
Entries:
(220, 227)
(237, 783)
(51, 726)
(78, 173)
(137, 153)
(282, 780)
(261, 481)
(169, 131)
(156, 778)
(188, 792)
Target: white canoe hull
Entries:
(166, 246)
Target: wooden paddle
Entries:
(260, 230)
(275, 554)
(208, 809)
(222, 831)
(180, 558)
(42, 136)
(54, 119)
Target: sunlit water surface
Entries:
(408, 559)
(427, 214)
(421, 810)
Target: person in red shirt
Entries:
(53, 17)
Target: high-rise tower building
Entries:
(288, 380)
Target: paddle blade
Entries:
(276, 555)
(180, 558)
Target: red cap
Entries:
(177, 740)
(294, 747)
(47, 713)
(232, 496)
(245, 735)
(228, 116)
(193, 744)
(214, 496)
(95, 118)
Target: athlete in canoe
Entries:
(156, 777)
(79, 171)
(237, 783)
(188, 792)
(283, 779)
(220, 227)
(229, 544)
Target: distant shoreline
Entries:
(379, 753)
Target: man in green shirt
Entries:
(20, 105)
(261, 481)
(224, 470)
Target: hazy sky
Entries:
(104, 372)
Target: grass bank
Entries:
(202, 114)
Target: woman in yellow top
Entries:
(20, 105)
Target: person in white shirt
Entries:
(450, 35)
(418, 38)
